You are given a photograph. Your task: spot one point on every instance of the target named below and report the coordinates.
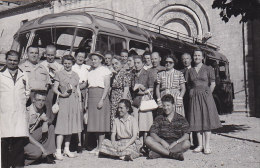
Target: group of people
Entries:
(101, 94)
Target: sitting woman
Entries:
(169, 133)
(124, 138)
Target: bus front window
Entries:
(64, 38)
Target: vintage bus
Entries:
(71, 30)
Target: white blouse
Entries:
(82, 71)
(96, 77)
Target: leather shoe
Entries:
(79, 149)
(177, 156)
(49, 160)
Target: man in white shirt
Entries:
(14, 92)
(82, 70)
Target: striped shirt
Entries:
(170, 79)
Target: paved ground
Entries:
(236, 145)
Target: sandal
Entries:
(198, 149)
(207, 151)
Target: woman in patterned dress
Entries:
(70, 116)
(171, 82)
(124, 138)
(203, 114)
(121, 81)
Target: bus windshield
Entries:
(66, 39)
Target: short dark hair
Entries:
(127, 105)
(147, 53)
(119, 58)
(138, 57)
(31, 46)
(40, 92)
(80, 50)
(132, 53)
(198, 49)
(13, 53)
(124, 50)
(186, 54)
(109, 52)
(173, 57)
(168, 98)
(68, 57)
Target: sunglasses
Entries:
(170, 62)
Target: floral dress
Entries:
(119, 81)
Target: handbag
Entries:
(148, 103)
(55, 108)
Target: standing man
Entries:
(50, 64)
(14, 92)
(124, 55)
(186, 61)
(147, 60)
(51, 67)
(37, 75)
(156, 67)
(42, 136)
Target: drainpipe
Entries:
(244, 67)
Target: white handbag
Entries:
(55, 107)
(148, 103)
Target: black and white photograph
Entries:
(130, 83)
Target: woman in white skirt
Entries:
(98, 102)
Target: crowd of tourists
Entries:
(131, 104)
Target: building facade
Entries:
(191, 17)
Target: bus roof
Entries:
(101, 24)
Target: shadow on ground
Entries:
(231, 128)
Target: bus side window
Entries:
(138, 47)
(110, 43)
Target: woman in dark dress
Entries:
(203, 115)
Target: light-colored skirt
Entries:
(145, 120)
(133, 150)
(98, 119)
(70, 117)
